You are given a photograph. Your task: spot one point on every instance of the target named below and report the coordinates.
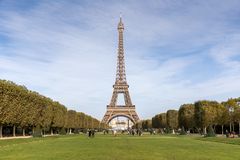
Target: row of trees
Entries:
(20, 107)
(201, 115)
(143, 124)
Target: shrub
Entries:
(76, 131)
(85, 131)
(210, 132)
(183, 132)
(168, 130)
(37, 132)
(62, 131)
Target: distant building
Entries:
(120, 124)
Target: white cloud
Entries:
(68, 52)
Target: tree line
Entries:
(27, 110)
(199, 117)
(143, 124)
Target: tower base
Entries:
(123, 111)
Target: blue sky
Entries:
(176, 51)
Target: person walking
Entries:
(114, 133)
(89, 133)
(93, 133)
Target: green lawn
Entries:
(107, 147)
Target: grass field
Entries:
(122, 147)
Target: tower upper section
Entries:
(120, 75)
(120, 25)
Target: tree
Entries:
(159, 121)
(20, 107)
(235, 103)
(59, 116)
(81, 120)
(232, 107)
(2, 104)
(237, 117)
(206, 113)
(155, 122)
(222, 116)
(46, 114)
(172, 119)
(138, 125)
(13, 109)
(70, 120)
(37, 112)
(146, 124)
(186, 116)
(162, 120)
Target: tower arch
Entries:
(121, 115)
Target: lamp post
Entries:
(231, 110)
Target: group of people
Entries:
(133, 132)
(230, 134)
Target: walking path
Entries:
(17, 137)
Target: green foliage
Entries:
(146, 124)
(172, 119)
(186, 116)
(71, 119)
(209, 113)
(138, 124)
(234, 114)
(143, 124)
(24, 108)
(159, 121)
(199, 113)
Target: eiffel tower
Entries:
(120, 87)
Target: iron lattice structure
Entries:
(120, 87)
